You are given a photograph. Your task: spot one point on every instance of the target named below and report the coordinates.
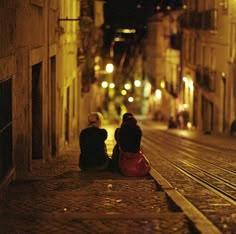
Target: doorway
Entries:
(37, 111)
(5, 127)
(53, 106)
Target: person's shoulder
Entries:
(103, 130)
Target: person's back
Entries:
(132, 159)
(116, 149)
(92, 145)
(130, 136)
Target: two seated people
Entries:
(127, 156)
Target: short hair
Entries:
(95, 119)
(126, 116)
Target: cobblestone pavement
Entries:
(58, 198)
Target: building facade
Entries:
(193, 51)
(42, 102)
(209, 61)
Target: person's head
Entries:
(131, 121)
(95, 119)
(126, 116)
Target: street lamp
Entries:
(109, 68)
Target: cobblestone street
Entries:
(59, 198)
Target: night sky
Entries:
(128, 13)
(132, 14)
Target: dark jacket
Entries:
(92, 147)
(130, 135)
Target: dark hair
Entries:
(131, 121)
(126, 116)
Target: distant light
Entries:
(189, 125)
(185, 79)
(184, 6)
(118, 39)
(168, 8)
(163, 84)
(96, 67)
(109, 68)
(137, 83)
(158, 94)
(126, 30)
(158, 8)
(123, 92)
(112, 85)
(130, 99)
(127, 86)
(104, 84)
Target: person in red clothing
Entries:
(93, 151)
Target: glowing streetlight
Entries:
(109, 68)
(123, 92)
(130, 99)
(162, 84)
(137, 83)
(104, 84)
(127, 86)
(112, 85)
(158, 94)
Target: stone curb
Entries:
(202, 224)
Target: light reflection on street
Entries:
(110, 142)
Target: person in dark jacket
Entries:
(130, 135)
(132, 160)
(116, 150)
(93, 151)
